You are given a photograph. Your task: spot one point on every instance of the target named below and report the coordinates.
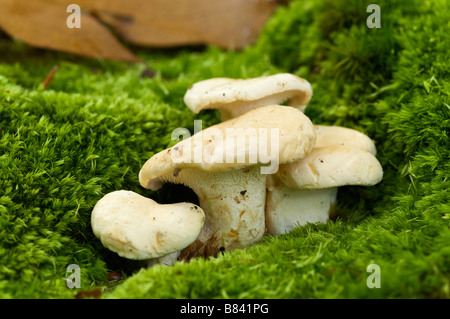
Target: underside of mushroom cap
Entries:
(262, 136)
(332, 166)
(237, 96)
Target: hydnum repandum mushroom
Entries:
(304, 191)
(137, 227)
(233, 97)
(226, 166)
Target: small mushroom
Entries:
(303, 192)
(136, 227)
(232, 189)
(233, 97)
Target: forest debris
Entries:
(230, 24)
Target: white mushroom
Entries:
(294, 197)
(136, 227)
(227, 177)
(233, 97)
(283, 202)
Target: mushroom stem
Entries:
(235, 109)
(287, 208)
(233, 203)
(167, 260)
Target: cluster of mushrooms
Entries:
(238, 204)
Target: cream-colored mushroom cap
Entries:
(343, 136)
(136, 227)
(234, 97)
(332, 166)
(286, 131)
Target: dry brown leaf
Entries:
(42, 24)
(165, 23)
(153, 23)
(159, 23)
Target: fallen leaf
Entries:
(114, 276)
(230, 24)
(94, 293)
(43, 24)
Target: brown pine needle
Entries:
(49, 77)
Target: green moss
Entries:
(64, 147)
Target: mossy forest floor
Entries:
(90, 131)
